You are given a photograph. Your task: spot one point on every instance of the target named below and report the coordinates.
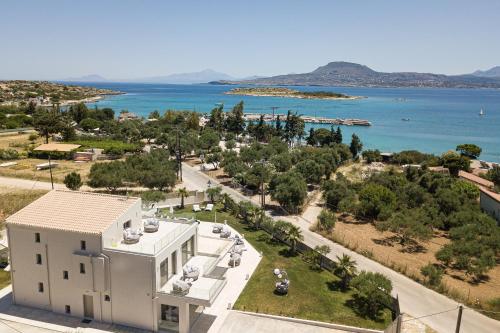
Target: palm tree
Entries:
(227, 201)
(293, 235)
(213, 192)
(260, 215)
(346, 269)
(182, 192)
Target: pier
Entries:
(309, 119)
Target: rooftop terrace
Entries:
(150, 243)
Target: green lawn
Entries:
(313, 295)
(4, 279)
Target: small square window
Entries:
(40, 287)
(82, 268)
(67, 309)
(107, 298)
(65, 275)
(38, 259)
(83, 245)
(127, 224)
(37, 237)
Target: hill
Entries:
(492, 72)
(351, 74)
(204, 76)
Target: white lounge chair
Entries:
(238, 249)
(131, 236)
(225, 233)
(217, 229)
(196, 208)
(181, 287)
(209, 207)
(151, 225)
(191, 272)
(234, 259)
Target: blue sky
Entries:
(131, 39)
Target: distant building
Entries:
(490, 203)
(127, 116)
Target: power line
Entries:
(432, 314)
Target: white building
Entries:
(68, 255)
(490, 203)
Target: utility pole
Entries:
(459, 318)
(178, 154)
(274, 108)
(50, 170)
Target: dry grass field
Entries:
(365, 239)
(15, 199)
(26, 167)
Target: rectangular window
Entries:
(187, 250)
(107, 298)
(163, 272)
(174, 262)
(83, 245)
(127, 224)
(65, 275)
(37, 237)
(38, 259)
(40, 287)
(67, 309)
(82, 268)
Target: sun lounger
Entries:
(196, 208)
(191, 272)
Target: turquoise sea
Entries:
(439, 118)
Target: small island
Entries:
(290, 93)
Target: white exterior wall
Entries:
(133, 214)
(60, 252)
(490, 206)
(132, 289)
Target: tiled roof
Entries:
(475, 179)
(84, 212)
(495, 196)
(63, 147)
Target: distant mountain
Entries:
(350, 74)
(492, 72)
(86, 78)
(204, 76)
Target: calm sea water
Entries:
(439, 118)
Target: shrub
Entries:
(373, 293)
(8, 154)
(33, 136)
(326, 220)
(152, 196)
(73, 181)
(433, 274)
(372, 155)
